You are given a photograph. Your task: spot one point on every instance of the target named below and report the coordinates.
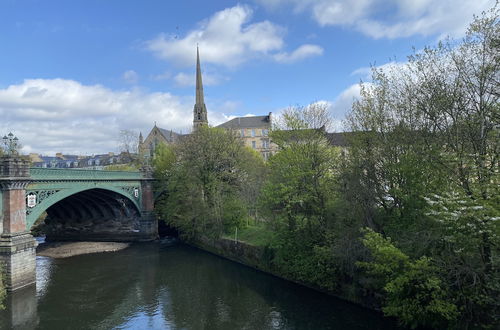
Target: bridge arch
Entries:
(94, 213)
(51, 196)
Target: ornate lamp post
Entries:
(10, 144)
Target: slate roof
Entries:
(246, 122)
(170, 135)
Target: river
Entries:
(151, 286)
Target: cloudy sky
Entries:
(75, 73)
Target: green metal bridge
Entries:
(72, 204)
(81, 204)
(50, 186)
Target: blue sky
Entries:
(75, 73)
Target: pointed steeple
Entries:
(199, 82)
(200, 110)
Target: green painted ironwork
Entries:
(82, 174)
(53, 185)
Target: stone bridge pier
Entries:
(77, 205)
(17, 246)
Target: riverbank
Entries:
(70, 249)
(258, 257)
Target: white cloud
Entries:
(300, 53)
(227, 38)
(130, 77)
(65, 116)
(343, 103)
(366, 72)
(391, 18)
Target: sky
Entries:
(73, 74)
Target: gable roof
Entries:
(247, 122)
(169, 135)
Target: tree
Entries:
(415, 292)
(299, 195)
(205, 183)
(3, 292)
(424, 166)
(129, 141)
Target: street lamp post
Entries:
(10, 144)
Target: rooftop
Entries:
(247, 122)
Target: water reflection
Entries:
(150, 287)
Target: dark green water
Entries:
(148, 286)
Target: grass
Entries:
(257, 235)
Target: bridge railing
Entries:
(82, 174)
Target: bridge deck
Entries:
(39, 174)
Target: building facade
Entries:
(254, 131)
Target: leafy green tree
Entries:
(163, 162)
(424, 168)
(204, 178)
(299, 195)
(3, 292)
(416, 295)
(471, 270)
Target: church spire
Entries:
(200, 110)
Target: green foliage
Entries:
(298, 197)
(468, 253)
(163, 161)
(122, 167)
(423, 168)
(204, 178)
(415, 292)
(3, 292)
(298, 257)
(256, 235)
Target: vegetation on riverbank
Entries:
(3, 292)
(406, 217)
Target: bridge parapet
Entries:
(39, 174)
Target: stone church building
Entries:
(253, 130)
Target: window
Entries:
(253, 144)
(253, 133)
(265, 132)
(265, 144)
(242, 132)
